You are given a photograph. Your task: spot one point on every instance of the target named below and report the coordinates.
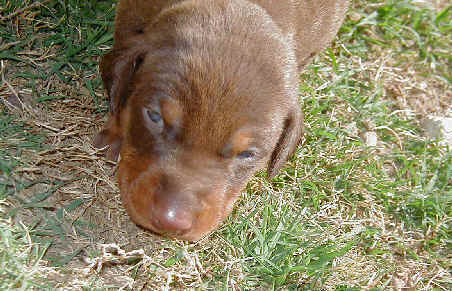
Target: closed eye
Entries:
(246, 155)
(154, 116)
(153, 120)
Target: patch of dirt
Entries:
(70, 170)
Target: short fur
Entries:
(203, 94)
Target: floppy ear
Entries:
(117, 69)
(288, 141)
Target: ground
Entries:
(365, 202)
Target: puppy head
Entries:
(192, 127)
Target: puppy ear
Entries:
(117, 69)
(287, 143)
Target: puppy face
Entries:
(180, 171)
(193, 120)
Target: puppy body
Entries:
(203, 94)
(312, 24)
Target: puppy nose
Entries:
(172, 219)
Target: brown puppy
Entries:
(203, 94)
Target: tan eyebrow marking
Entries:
(240, 141)
(171, 111)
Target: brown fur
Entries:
(203, 94)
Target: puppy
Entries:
(203, 94)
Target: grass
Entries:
(21, 264)
(364, 203)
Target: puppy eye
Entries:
(154, 116)
(246, 155)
